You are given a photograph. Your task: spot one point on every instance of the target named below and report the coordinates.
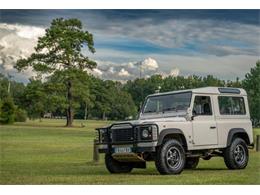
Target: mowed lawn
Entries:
(48, 153)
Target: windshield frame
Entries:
(156, 113)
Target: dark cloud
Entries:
(43, 17)
(187, 39)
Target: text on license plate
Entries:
(123, 150)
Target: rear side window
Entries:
(231, 105)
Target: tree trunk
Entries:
(86, 112)
(104, 116)
(69, 109)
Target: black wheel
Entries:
(114, 166)
(192, 162)
(236, 155)
(170, 158)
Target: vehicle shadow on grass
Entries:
(209, 169)
(150, 170)
(91, 168)
(101, 170)
(154, 172)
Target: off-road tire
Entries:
(114, 166)
(233, 159)
(175, 153)
(191, 162)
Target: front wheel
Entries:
(170, 158)
(236, 155)
(114, 166)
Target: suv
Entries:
(176, 129)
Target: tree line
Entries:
(94, 98)
(63, 87)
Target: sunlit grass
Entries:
(48, 153)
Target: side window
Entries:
(238, 105)
(231, 105)
(225, 105)
(202, 106)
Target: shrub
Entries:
(20, 115)
(7, 111)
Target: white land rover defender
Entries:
(177, 128)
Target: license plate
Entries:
(123, 150)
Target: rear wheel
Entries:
(170, 158)
(236, 155)
(114, 166)
(192, 162)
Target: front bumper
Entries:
(135, 148)
(124, 135)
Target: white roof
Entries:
(208, 90)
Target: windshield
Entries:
(167, 103)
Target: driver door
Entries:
(203, 124)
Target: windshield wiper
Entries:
(169, 109)
(149, 111)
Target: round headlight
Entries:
(145, 133)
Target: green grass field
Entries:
(48, 153)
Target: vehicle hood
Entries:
(158, 120)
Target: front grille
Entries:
(122, 134)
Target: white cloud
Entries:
(23, 31)
(216, 57)
(97, 72)
(131, 70)
(111, 70)
(29, 32)
(130, 65)
(174, 72)
(224, 67)
(17, 41)
(123, 73)
(149, 63)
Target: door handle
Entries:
(212, 127)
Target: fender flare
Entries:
(234, 131)
(169, 131)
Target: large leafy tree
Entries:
(111, 101)
(252, 85)
(104, 97)
(60, 49)
(34, 99)
(56, 90)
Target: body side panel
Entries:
(225, 123)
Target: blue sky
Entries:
(225, 43)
